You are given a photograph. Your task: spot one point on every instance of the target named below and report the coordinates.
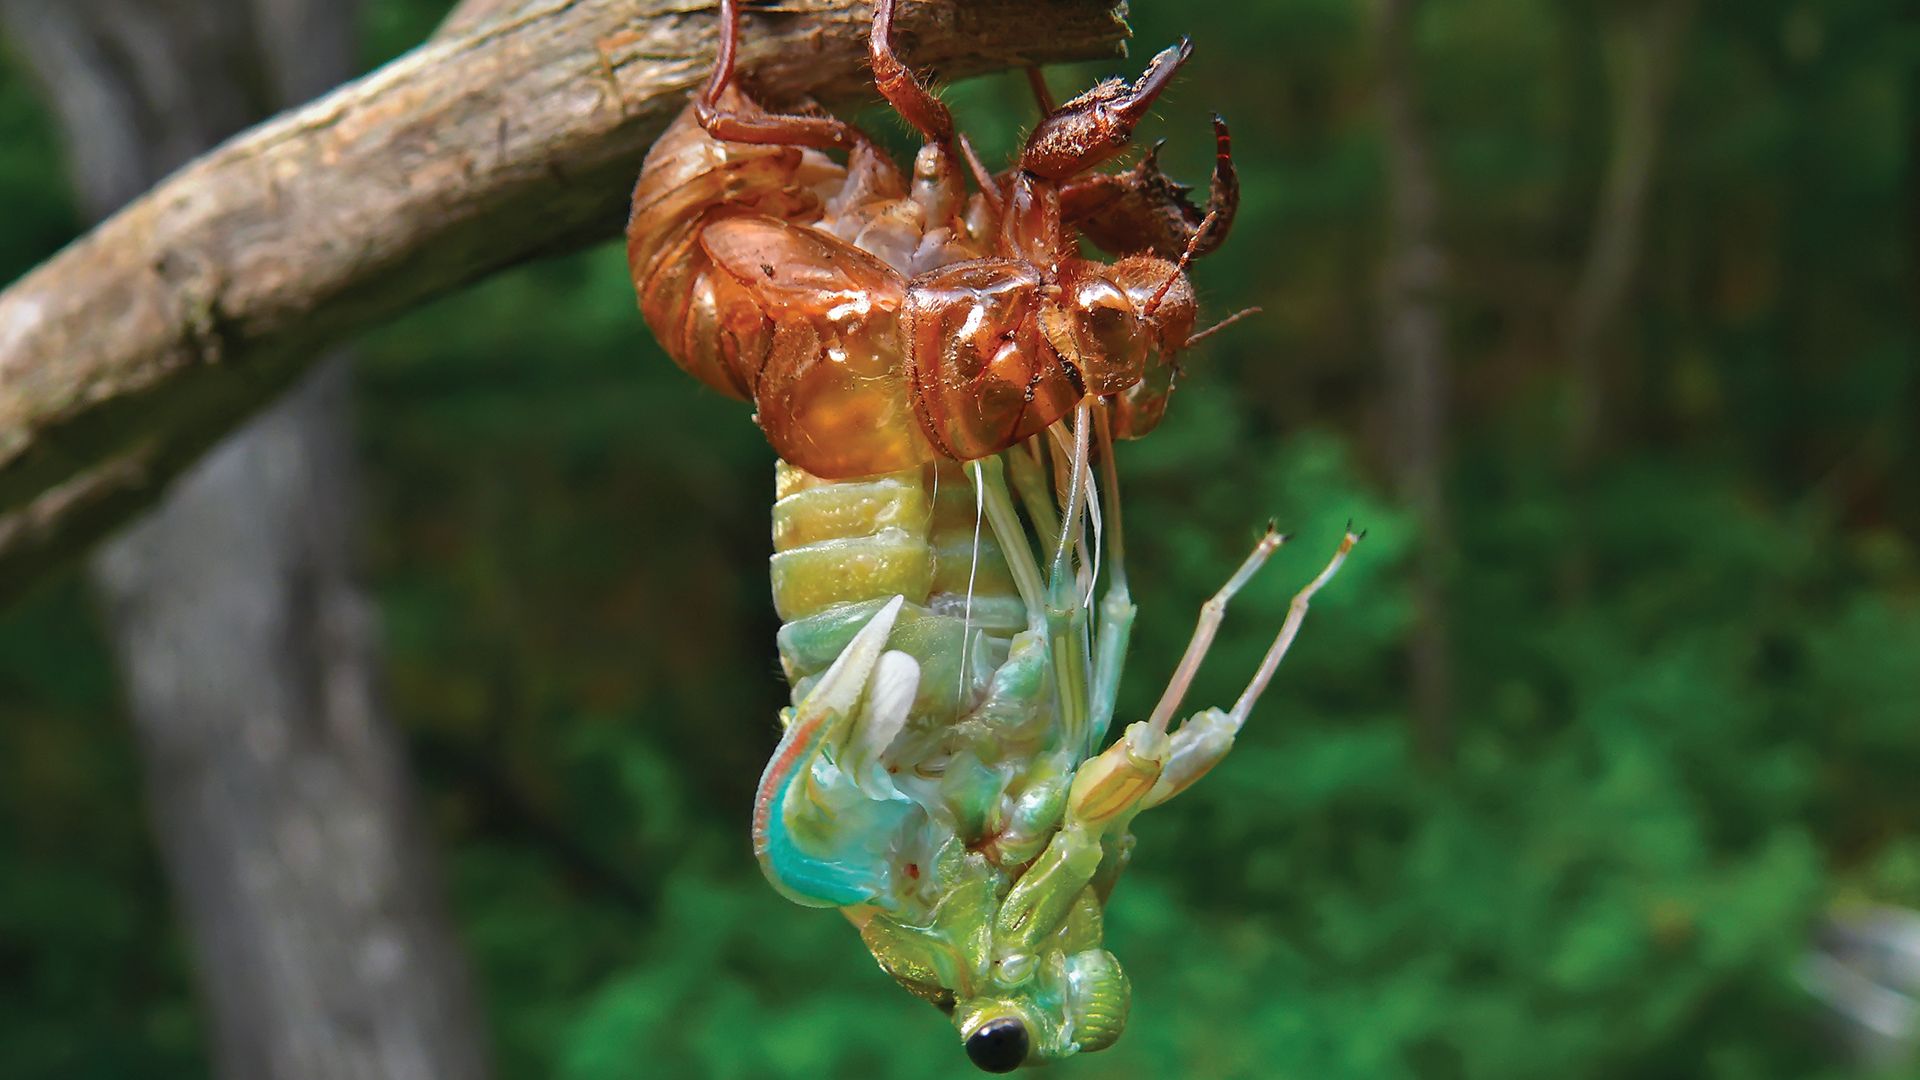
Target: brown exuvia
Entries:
(879, 321)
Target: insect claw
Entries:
(1223, 189)
(1143, 208)
(1159, 74)
(1096, 126)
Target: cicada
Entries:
(943, 375)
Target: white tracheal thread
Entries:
(1093, 518)
(966, 621)
(1090, 497)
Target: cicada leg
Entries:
(1109, 788)
(1144, 209)
(1106, 793)
(1066, 605)
(1116, 607)
(1042, 96)
(826, 812)
(922, 108)
(1206, 737)
(897, 83)
(1093, 844)
(731, 124)
(1096, 126)
(1212, 613)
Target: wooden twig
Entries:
(519, 137)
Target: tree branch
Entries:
(178, 317)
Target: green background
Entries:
(1652, 790)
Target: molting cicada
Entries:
(926, 360)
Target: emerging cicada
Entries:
(925, 360)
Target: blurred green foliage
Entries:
(1653, 790)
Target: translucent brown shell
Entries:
(878, 321)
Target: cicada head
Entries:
(1011, 1006)
(1076, 1005)
(1118, 327)
(1162, 294)
(1095, 329)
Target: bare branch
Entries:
(188, 310)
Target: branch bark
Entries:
(1414, 347)
(128, 353)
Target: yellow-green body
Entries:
(940, 777)
(977, 776)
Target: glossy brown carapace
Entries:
(879, 321)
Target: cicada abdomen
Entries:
(943, 375)
(842, 548)
(843, 552)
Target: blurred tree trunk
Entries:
(1904, 464)
(1649, 35)
(1414, 348)
(277, 787)
(1578, 33)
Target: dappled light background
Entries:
(1683, 662)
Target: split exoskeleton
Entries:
(942, 373)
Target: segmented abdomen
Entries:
(689, 179)
(843, 548)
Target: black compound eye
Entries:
(999, 1046)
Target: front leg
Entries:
(1107, 791)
